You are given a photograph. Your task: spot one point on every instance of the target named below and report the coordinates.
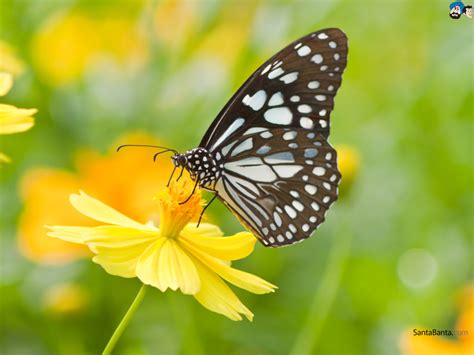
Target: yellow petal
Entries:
(6, 83)
(164, 265)
(119, 261)
(176, 269)
(239, 278)
(148, 263)
(117, 236)
(99, 211)
(216, 296)
(4, 158)
(69, 234)
(206, 238)
(13, 120)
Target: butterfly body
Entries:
(201, 165)
(266, 155)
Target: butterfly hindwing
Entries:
(293, 89)
(279, 182)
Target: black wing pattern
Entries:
(294, 88)
(279, 182)
(279, 173)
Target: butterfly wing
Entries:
(279, 182)
(294, 89)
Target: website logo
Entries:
(457, 9)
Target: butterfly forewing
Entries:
(279, 182)
(293, 89)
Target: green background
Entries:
(406, 105)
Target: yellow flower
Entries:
(77, 40)
(9, 62)
(348, 160)
(12, 119)
(175, 21)
(234, 22)
(65, 299)
(439, 345)
(175, 255)
(119, 179)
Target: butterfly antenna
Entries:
(146, 146)
(164, 151)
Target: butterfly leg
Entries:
(171, 176)
(205, 207)
(180, 174)
(192, 193)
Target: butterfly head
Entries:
(179, 160)
(200, 164)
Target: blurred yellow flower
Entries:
(428, 345)
(66, 299)
(348, 160)
(9, 62)
(227, 40)
(175, 22)
(12, 119)
(122, 179)
(67, 44)
(175, 255)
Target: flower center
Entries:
(173, 215)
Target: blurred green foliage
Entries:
(406, 104)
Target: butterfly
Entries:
(266, 154)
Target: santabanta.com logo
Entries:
(438, 332)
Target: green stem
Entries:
(323, 298)
(124, 322)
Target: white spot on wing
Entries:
(242, 147)
(295, 98)
(278, 115)
(319, 171)
(277, 219)
(276, 99)
(322, 35)
(281, 157)
(289, 135)
(231, 129)
(298, 205)
(260, 172)
(306, 122)
(304, 108)
(255, 130)
(287, 171)
(275, 73)
(290, 211)
(311, 189)
(256, 101)
(290, 77)
(267, 68)
(305, 50)
(313, 84)
(317, 58)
